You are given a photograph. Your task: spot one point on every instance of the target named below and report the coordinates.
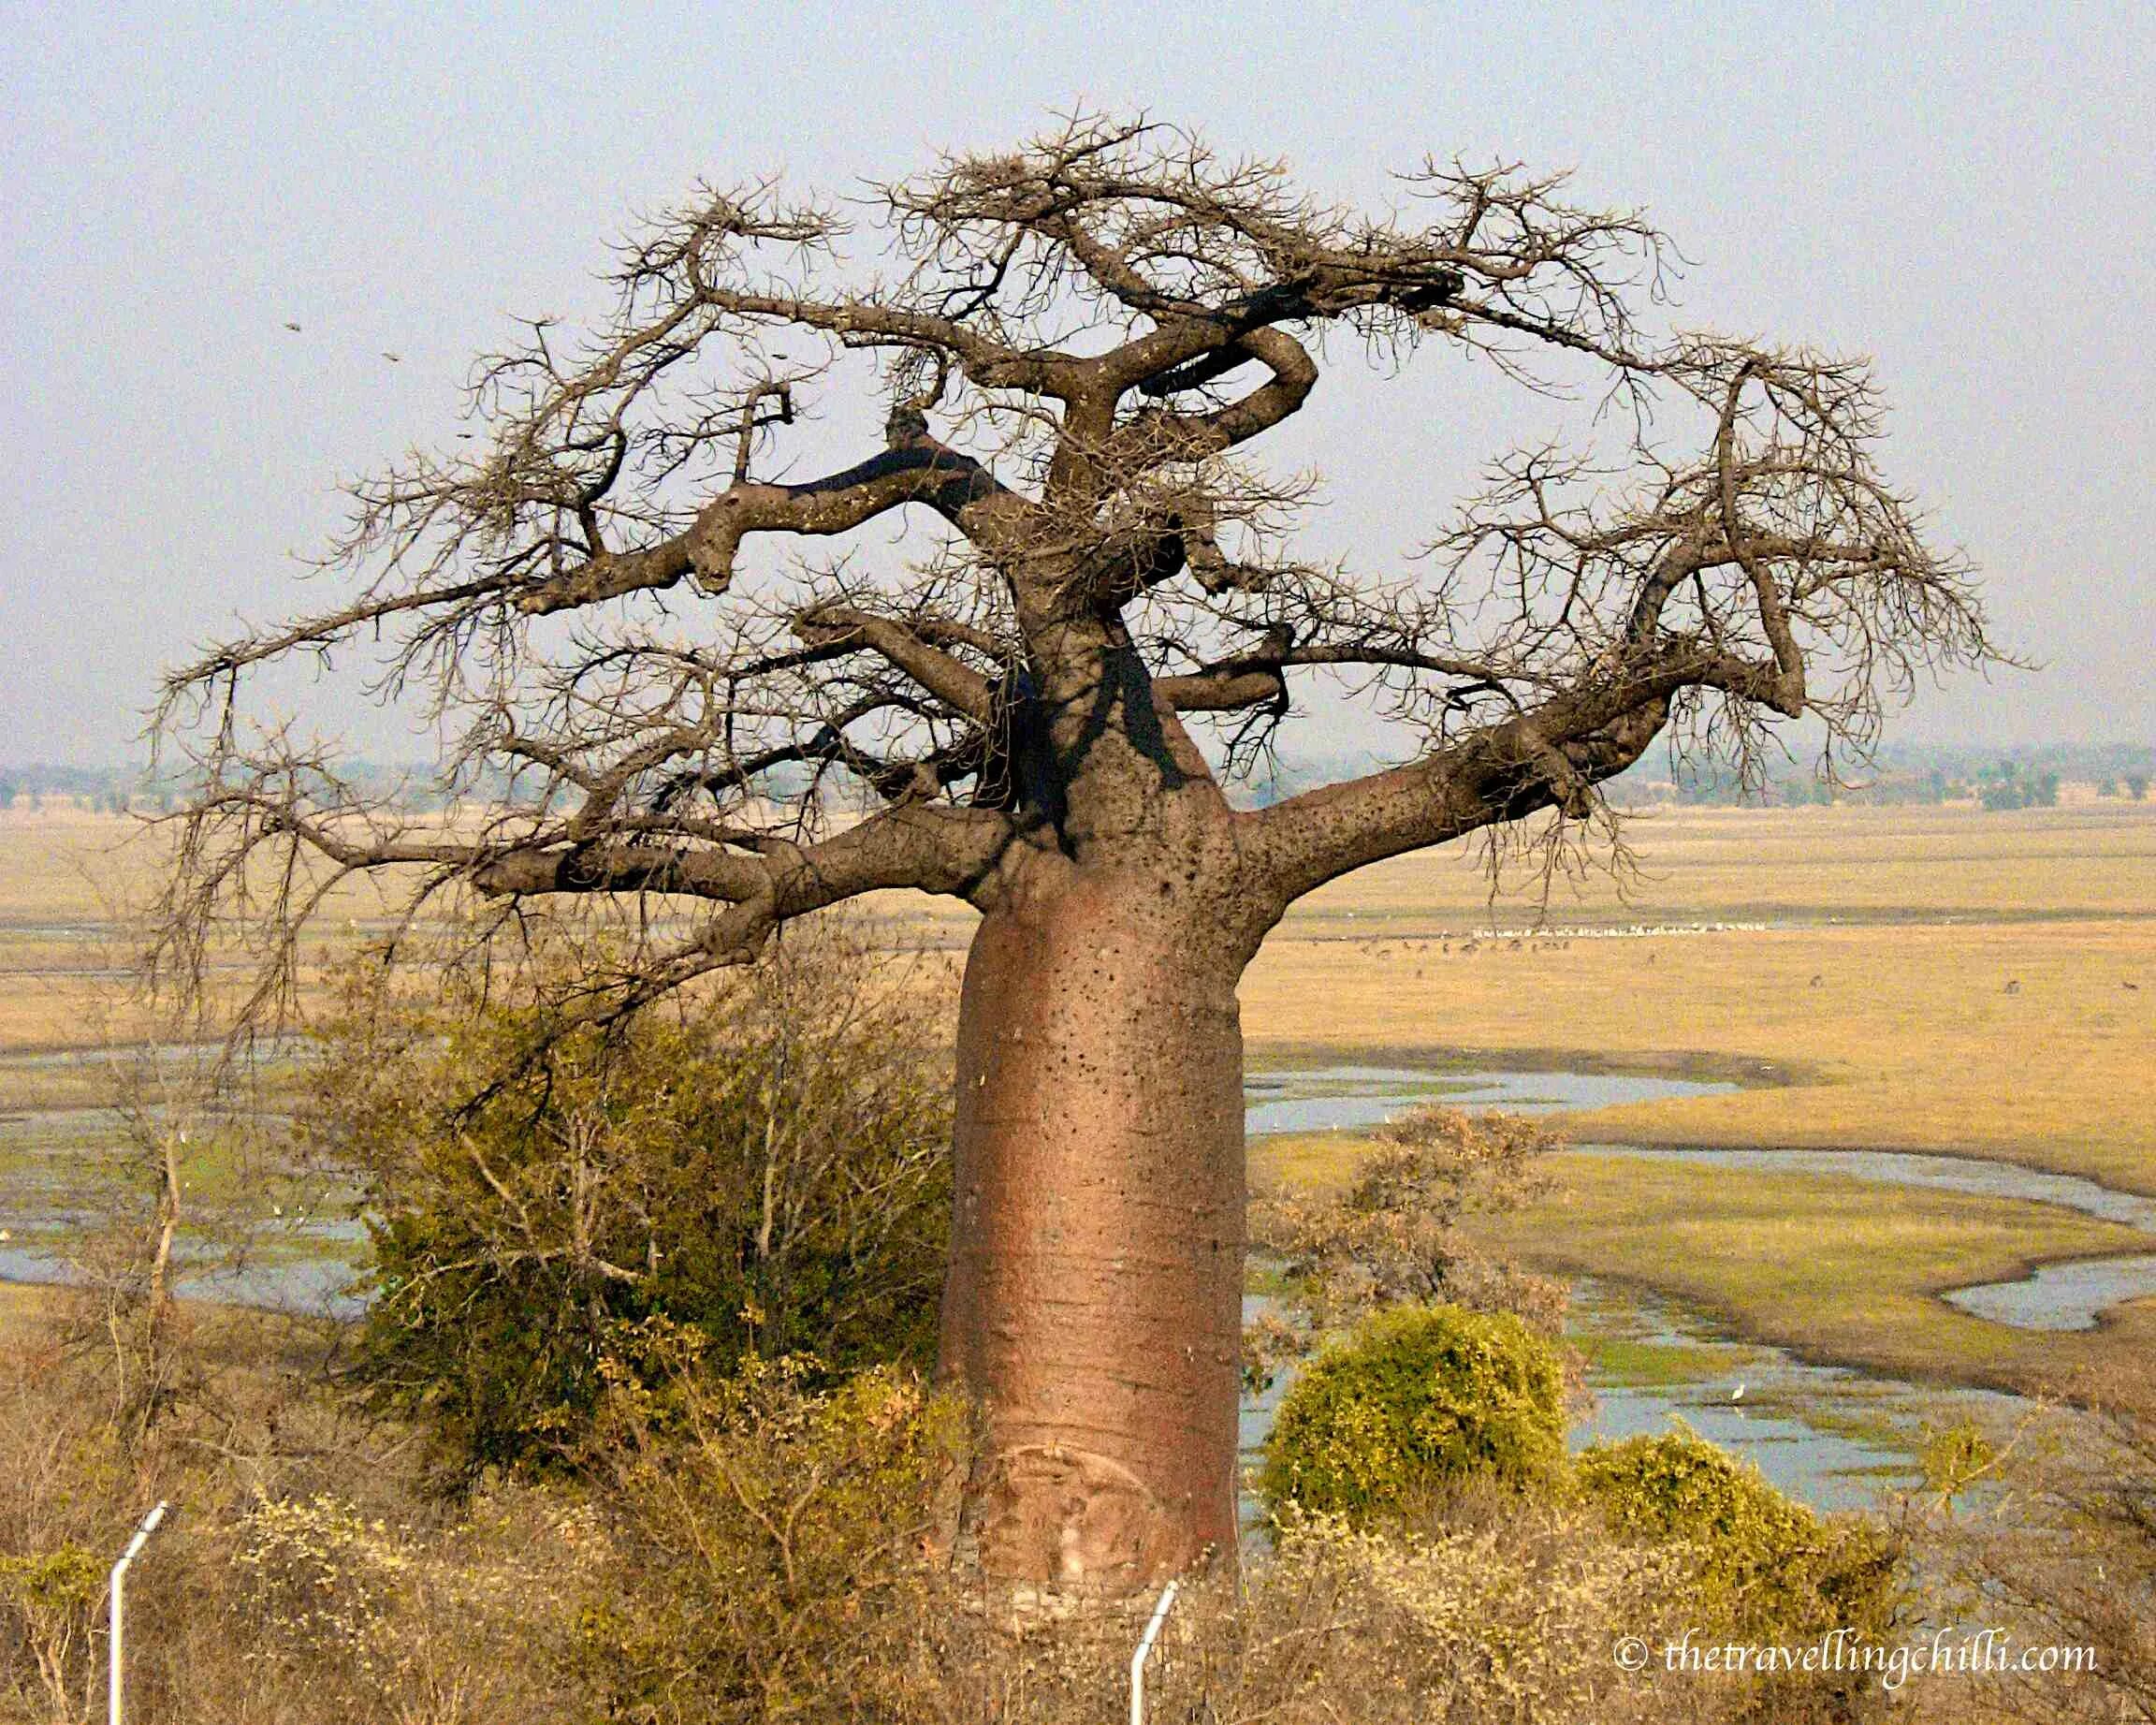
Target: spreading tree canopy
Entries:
(670, 664)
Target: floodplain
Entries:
(1943, 981)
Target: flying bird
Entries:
(294, 328)
(393, 359)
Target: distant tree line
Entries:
(1900, 776)
(122, 790)
(102, 789)
(2023, 778)
(2020, 778)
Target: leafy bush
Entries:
(48, 1606)
(1766, 1563)
(1418, 1401)
(769, 1166)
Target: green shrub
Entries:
(769, 1166)
(1766, 1562)
(1419, 1400)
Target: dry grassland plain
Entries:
(1941, 979)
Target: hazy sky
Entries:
(1968, 193)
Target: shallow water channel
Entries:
(1832, 1436)
(2058, 1296)
(1350, 1098)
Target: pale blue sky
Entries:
(1965, 192)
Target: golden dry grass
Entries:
(24, 1311)
(2097, 859)
(53, 869)
(1908, 1027)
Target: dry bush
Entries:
(1512, 1621)
(223, 1625)
(62, 1478)
(1397, 1234)
(769, 1538)
(306, 1579)
(367, 1619)
(2060, 1549)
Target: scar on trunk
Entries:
(1049, 1512)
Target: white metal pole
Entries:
(1137, 1660)
(116, 1617)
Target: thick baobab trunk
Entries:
(1094, 1302)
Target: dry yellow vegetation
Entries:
(1998, 1000)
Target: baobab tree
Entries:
(1079, 619)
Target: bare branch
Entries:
(1077, 349)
